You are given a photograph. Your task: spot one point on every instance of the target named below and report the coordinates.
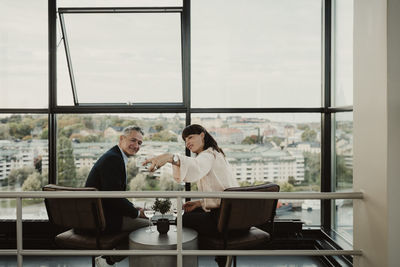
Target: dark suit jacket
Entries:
(108, 174)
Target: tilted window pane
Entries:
(24, 162)
(279, 148)
(125, 57)
(344, 173)
(263, 54)
(342, 53)
(23, 54)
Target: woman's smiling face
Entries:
(195, 142)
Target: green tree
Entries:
(291, 180)
(129, 122)
(252, 139)
(312, 168)
(88, 122)
(131, 169)
(44, 134)
(303, 126)
(138, 183)
(164, 136)
(91, 138)
(309, 135)
(344, 174)
(15, 118)
(286, 187)
(20, 130)
(244, 183)
(158, 128)
(33, 182)
(65, 163)
(4, 132)
(18, 176)
(81, 176)
(167, 183)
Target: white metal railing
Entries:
(179, 252)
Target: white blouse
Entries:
(209, 170)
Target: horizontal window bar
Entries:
(32, 252)
(341, 109)
(257, 110)
(172, 194)
(24, 110)
(73, 10)
(135, 108)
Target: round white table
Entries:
(140, 240)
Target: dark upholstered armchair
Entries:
(239, 218)
(84, 219)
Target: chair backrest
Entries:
(79, 213)
(238, 214)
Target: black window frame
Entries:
(326, 110)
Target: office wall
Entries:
(370, 132)
(393, 110)
(376, 131)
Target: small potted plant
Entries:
(162, 206)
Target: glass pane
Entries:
(82, 139)
(267, 54)
(117, 58)
(23, 54)
(64, 89)
(24, 162)
(279, 148)
(118, 3)
(344, 172)
(342, 49)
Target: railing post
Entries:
(19, 231)
(179, 231)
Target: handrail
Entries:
(185, 194)
(179, 252)
(304, 252)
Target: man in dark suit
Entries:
(109, 174)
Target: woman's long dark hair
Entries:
(209, 141)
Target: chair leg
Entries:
(93, 261)
(234, 261)
(229, 261)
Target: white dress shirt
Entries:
(126, 159)
(209, 170)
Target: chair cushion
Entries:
(236, 240)
(73, 240)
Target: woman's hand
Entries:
(158, 161)
(191, 205)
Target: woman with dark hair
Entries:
(209, 169)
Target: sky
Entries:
(263, 54)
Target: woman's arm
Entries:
(159, 161)
(193, 169)
(187, 169)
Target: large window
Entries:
(342, 53)
(23, 162)
(23, 54)
(343, 170)
(117, 58)
(256, 75)
(263, 54)
(82, 139)
(277, 148)
(342, 120)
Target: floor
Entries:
(204, 261)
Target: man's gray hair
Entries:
(127, 130)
